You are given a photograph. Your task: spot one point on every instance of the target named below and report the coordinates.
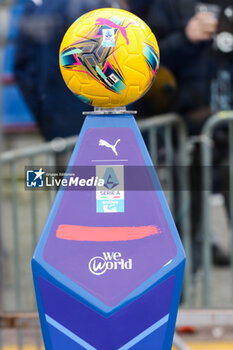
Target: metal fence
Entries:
(207, 152)
(23, 216)
(24, 330)
(172, 127)
(24, 212)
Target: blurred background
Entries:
(187, 123)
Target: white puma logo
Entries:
(106, 144)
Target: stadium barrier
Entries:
(24, 212)
(24, 330)
(176, 159)
(218, 120)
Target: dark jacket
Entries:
(57, 111)
(195, 66)
(168, 19)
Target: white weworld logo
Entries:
(109, 261)
(108, 145)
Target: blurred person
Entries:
(57, 111)
(197, 47)
(186, 37)
(182, 37)
(161, 95)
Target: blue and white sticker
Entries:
(108, 37)
(111, 198)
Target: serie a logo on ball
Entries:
(109, 58)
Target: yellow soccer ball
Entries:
(109, 58)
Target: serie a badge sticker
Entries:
(110, 197)
(108, 37)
